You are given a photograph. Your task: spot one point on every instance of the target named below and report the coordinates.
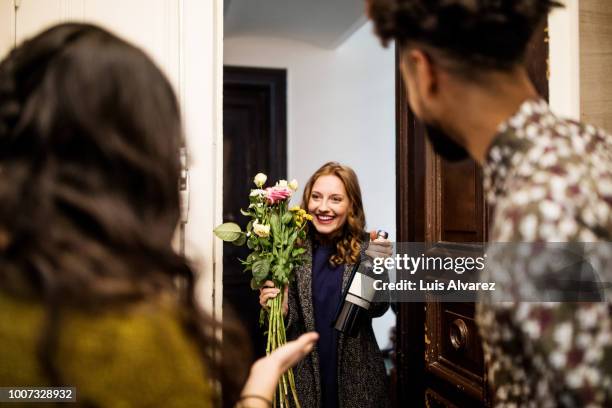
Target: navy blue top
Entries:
(326, 294)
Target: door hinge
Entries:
(17, 4)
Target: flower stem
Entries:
(277, 337)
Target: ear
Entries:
(421, 80)
(424, 72)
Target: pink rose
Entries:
(277, 193)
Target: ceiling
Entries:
(323, 23)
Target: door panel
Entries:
(453, 349)
(156, 29)
(462, 202)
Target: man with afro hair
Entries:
(546, 180)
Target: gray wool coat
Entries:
(362, 379)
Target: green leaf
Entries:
(287, 217)
(253, 241)
(277, 272)
(248, 214)
(240, 241)
(228, 231)
(298, 251)
(261, 269)
(275, 226)
(253, 256)
(283, 277)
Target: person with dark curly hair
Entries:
(342, 371)
(93, 295)
(546, 179)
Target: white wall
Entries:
(7, 26)
(341, 107)
(184, 37)
(564, 49)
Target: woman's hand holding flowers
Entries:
(268, 291)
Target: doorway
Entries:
(254, 141)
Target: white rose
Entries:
(293, 185)
(260, 179)
(282, 183)
(257, 192)
(261, 230)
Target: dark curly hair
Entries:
(480, 33)
(90, 135)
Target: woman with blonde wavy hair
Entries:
(342, 371)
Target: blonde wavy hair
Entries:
(350, 237)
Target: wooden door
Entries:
(439, 353)
(254, 140)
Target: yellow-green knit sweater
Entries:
(135, 358)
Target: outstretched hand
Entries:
(291, 353)
(266, 371)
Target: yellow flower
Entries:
(293, 184)
(308, 217)
(295, 208)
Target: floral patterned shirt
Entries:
(548, 180)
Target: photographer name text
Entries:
(436, 286)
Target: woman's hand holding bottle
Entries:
(379, 247)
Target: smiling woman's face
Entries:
(328, 204)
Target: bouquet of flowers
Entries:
(274, 235)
